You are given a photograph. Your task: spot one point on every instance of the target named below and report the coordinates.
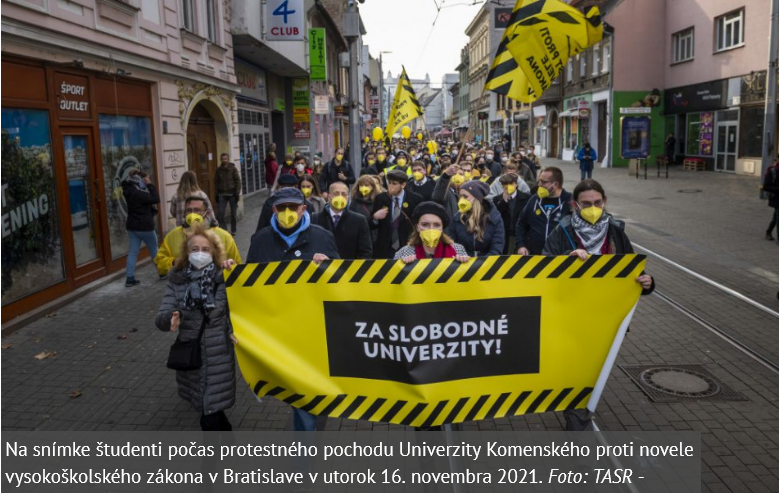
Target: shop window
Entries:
(31, 242)
(700, 129)
(682, 46)
(751, 131)
(729, 31)
(126, 142)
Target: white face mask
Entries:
(200, 259)
(488, 157)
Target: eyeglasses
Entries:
(541, 181)
(597, 203)
(287, 206)
(194, 211)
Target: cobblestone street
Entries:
(109, 371)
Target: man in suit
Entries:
(392, 215)
(510, 204)
(350, 229)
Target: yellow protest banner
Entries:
(405, 106)
(436, 341)
(540, 37)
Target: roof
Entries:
(428, 99)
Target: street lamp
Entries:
(381, 91)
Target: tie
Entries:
(395, 237)
(335, 219)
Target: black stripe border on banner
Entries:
(234, 275)
(277, 273)
(608, 266)
(631, 266)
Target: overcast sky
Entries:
(402, 27)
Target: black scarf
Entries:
(201, 288)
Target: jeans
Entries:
(135, 238)
(215, 422)
(303, 421)
(774, 223)
(232, 202)
(587, 173)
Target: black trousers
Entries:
(215, 422)
(230, 201)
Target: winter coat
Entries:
(270, 171)
(563, 240)
(494, 238)
(141, 206)
(331, 174)
(227, 180)
(771, 185)
(383, 245)
(352, 233)
(267, 246)
(533, 227)
(511, 210)
(586, 158)
(212, 387)
(446, 196)
(424, 191)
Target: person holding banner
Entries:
(286, 181)
(392, 213)
(195, 306)
(542, 213)
(428, 239)
(478, 226)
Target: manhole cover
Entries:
(679, 382)
(692, 190)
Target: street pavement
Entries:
(109, 371)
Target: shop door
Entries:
(553, 139)
(726, 155)
(84, 235)
(202, 155)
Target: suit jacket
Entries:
(352, 233)
(383, 246)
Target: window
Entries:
(582, 60)
(188, 21)
(751, 131)
(212, 23)
(606, 59)
(682, 46)
(596, 59)
(569, 70)
(729, 31)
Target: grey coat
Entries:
(212, 387)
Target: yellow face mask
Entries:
(339, 157)
(365, 190)
(339, 202)
(401, 162)
(464, 205)
(542, 192)
(430, 237)
(418, 176)
(381, 157)
(289, 162)
(591, 214)
(511, 188)
(458, 179)
(287, 218)
(468, 176)
(371, 162)
(192, 218)
(307, 191)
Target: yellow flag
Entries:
(540, 37)
(405, 107)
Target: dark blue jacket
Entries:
(141, 206)
(267, 246)
(586, 158)
(494, 235)
(532, 226)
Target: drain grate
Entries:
(668, 383)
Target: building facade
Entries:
(480, 59)
(91, 90)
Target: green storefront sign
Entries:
(317, 38)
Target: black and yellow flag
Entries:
(540, 37)
(405, 107)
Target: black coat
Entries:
(563, 240)
(267, 246)
(352, 233)
(370, 170)
(383, 246)
(511, 210)
(265, 218)
(494, 239)
(141, 206)
(331, 171)
(533, 228)
(424, 191)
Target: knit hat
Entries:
(477, 189)
(430, 207)
(288, 180)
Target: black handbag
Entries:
(186, 355)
